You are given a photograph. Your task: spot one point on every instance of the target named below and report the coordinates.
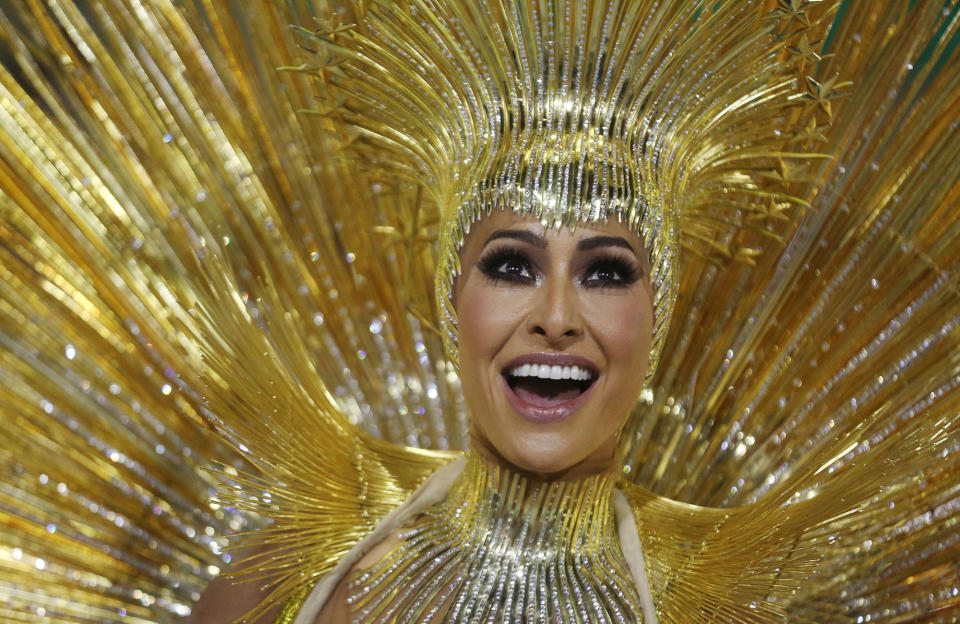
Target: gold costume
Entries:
(220, 238)
(501, 545)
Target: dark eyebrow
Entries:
(594, 242)
(526, 236)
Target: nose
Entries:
(555, 314)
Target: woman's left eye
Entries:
(609, 272)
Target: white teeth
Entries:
(545, 371)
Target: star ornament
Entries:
(776, 210)
(780, 173)
(793, 10)
(805, 51)
(813, 132)
(823, 92)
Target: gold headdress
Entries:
(660, 116)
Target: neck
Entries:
(489, 490)
(508, 545)
(602, 461)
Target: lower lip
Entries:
(537, 414)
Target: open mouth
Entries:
(547, 386)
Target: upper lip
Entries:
(552, 359)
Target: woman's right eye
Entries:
(507, 266)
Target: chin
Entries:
(543, 460)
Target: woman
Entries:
(192, 241)
(527, 298)
(554, 335)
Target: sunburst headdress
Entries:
(656, 115)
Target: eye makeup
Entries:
(507, 264)
(608, 270)
(603, 269)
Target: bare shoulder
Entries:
(337, 610)
(224, 600)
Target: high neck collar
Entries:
(571, 515)
(506, 547)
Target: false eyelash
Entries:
(629, 273)
(490, 263)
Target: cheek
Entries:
(624, 328)
(486, 318)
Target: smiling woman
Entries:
(554, 334)
(555, 328)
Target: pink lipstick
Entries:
(548, 387)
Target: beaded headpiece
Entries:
(574, 112)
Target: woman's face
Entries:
(555, 328)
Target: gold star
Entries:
(776, 210)
(823, 92)
(792, 10)
(772, 209)
(330, 28)
(412, 234)
(813, 132)
(806, 51)
(781, 173)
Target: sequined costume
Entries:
(218, 243)
(478, 541)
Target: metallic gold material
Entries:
(193, 268)
(288, 614)
(505, 548)
(576, 111)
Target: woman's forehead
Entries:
(506, 219)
